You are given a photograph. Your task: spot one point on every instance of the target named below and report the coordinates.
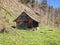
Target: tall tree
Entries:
(44, 4)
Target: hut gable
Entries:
(26, 15)
(23, 17)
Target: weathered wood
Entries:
(25, 21)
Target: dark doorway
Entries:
(35, 24)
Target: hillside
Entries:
(45, 35)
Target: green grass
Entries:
(26, 37)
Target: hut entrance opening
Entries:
(25, 22)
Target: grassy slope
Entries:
(25, 37)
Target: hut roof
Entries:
(15, 8)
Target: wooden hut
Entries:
(27, 20)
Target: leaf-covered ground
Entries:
(44, 36)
